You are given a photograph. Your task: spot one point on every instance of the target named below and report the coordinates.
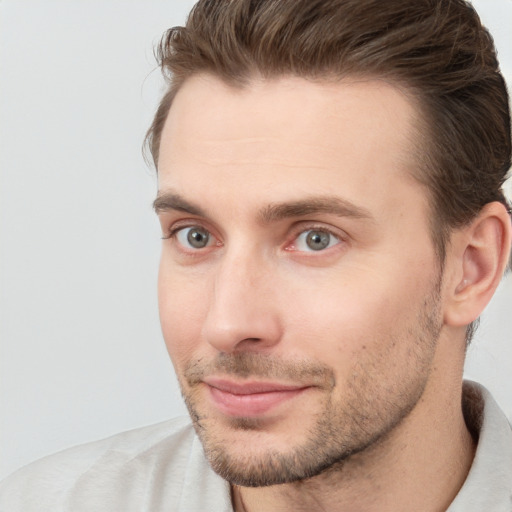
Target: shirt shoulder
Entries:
(488, 485)
(142, 469)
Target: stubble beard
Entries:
(368, 409)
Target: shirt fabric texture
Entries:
(162, 468)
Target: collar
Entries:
(488, 485)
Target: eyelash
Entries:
(176, 228)
(312, 228)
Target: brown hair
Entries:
(437, 49)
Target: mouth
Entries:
(250, 399)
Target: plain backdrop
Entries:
(81, 354)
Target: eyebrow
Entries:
(314, 205)
(166, 201)
(170, 201)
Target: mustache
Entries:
(246, 364)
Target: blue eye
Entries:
(315, 240)
(193, 237)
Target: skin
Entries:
(369, 328)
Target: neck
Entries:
(421, 465)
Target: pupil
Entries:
(197, 238)
(317, 240)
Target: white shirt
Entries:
(162, 468)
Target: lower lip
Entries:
(251, 405)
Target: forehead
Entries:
(281, 139)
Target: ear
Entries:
(477, 257)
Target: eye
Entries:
(193, 237)
(315, 240)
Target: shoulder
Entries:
(488, 485)
(105, 471)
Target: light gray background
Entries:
(81, 354)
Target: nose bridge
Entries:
(241, 309)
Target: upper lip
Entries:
(250, 387)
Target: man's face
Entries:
(298, 286)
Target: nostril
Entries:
(247, 343)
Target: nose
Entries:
(243, 313)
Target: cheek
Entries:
(182, 313)
(343, 317)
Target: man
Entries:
(333, 225)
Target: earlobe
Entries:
(481, 252)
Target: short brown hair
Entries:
(437, 49)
